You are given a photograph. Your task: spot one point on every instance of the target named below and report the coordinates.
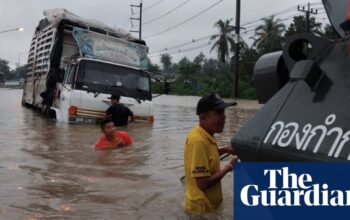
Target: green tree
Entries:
(165, 59)
(153, 68)
(187, 68)
(298, 26)
(268, 36)
(248, 58)
(187, 77)
(199, 59)
(4, 67)
(19, 72)
(203, 76)
(224, 40)
(209, 67)
(329, 32)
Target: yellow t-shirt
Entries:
(201, 159)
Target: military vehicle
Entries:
(306, 91)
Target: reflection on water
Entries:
(51, 170)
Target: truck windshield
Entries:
(107, 78)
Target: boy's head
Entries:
(107, 127)
(115, 99)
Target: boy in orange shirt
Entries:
(112, 138)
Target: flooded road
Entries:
(51, 171)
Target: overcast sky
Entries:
(27, 13)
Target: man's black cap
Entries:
(114, 97)
(212, 102)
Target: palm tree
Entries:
(165, 59)
(299, 26)
(329, 33)
(224, 40)
(268, 36)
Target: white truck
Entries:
(75, 64)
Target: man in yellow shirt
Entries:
(201, 157)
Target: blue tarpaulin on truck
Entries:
(102, 47)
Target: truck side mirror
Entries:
(60, 75)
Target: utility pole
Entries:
(307, 11)
(139, 18)
(237, 39)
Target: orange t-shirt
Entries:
(121, 138)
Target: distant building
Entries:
(12, 83)
(21, 81)
(164, 77)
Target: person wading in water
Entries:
(201, 157)
(112, 138)
(118, 112)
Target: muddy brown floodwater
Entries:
(50, 170)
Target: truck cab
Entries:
(87, 85)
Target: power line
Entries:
(290, 17)
(183, 44)
(249, 31)
(187, 20)
(207, 44)
(167, 13)
(252, 29)
(320, 8)
(324, 18)
(246, 32)
(286, 11)
(186, 50)
(159, 52)
(281, 12)
(195, 48)
(315, 3)
(151, 6)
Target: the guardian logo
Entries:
(291, 190)
(285, 189)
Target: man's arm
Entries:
(131, 114)
(108, 113)
(205, 182)
(226, 150)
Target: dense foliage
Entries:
(205, 75)
(9, 74)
